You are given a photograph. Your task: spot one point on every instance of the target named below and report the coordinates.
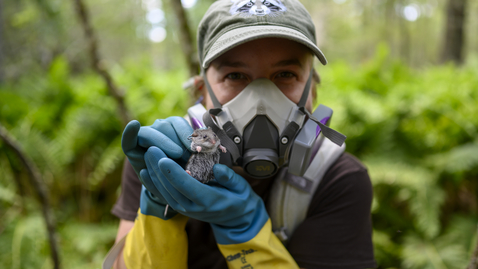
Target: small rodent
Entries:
(205, 146)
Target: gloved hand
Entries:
(231, 206)
(237, 215)
(152, 203)
(170, 135)
(156, 240)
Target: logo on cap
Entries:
(257, 7)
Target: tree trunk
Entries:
(454, 32)
(2, 61)
(404, 42)
(186, 40)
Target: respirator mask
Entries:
(264, 130)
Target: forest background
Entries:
(402, 79)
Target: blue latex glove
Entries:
(152, 202)
(170, 135)
(235, 212)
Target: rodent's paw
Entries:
(223, 149)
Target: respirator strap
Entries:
(214, 100)
(305, 93)
(226, 141)
(292, 129)
(328, 132)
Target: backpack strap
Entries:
(113, 254)
(291, 195)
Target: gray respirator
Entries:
(263, 130)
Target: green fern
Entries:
(417, 186)
(111, 157)
(434, 254)
(457, 160)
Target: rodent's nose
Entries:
(213, 141)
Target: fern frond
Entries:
(37, 146)
(423, 254)
(459, 159)
(110, 159)
(418, 187)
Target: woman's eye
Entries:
(285, 75)
(235, 76)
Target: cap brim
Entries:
(242, 35)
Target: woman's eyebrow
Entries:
(288, 62)
(231, 64)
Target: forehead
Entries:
(202, 132)
(266, 51)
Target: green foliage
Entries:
(86, 245)
(69, 126)
(415, 129)
(24, 243)
(417, 132)
(82, 245)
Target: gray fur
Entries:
(200, 164)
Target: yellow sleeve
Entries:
(264, 251)
(157, 243)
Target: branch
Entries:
(113, 90)
(186, 40)
(38, 185)
(474, 258)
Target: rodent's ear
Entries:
(194, 134)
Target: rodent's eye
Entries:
(214, 135)
(204, 137)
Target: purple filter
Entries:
(196, 124)
(323, 121)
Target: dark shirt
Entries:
(337, 231)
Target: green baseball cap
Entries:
(229, 23)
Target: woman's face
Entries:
(286, 63)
